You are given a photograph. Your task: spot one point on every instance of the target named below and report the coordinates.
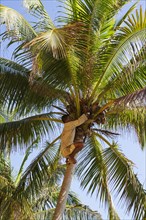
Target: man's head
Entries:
(66, 118)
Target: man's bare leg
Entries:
(71, 157)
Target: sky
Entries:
(127, 141)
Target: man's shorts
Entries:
(68, 150)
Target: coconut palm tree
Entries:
(88, 63)
(23, 197)
(4, 117)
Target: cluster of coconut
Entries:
(91, 111)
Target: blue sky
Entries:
(127, 141)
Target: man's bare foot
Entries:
(70, 160)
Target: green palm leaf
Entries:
(2, 119)
(92, 173)
(72, 212)
(16, 89)
(124, 47)
(125, 182)
(38, 171)
(9, 206)
(133, 72)
(45, 203)
(26, 130)
(27, 153)
(5, 171)
(124, 15)
(129, 118)
(91, 12)
(79, 210)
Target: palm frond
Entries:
(17, 209)
(140, 129)
(36, 8)
(92, 173)
(5, 170)
(132, 73)
(13, 68)
(125, 182)
(91, 12)
(17, 27)
(55, 72)
(50, 41)
(129, 118)
(38, 172)
(71, 212)
(16, 90)
(9, 206)
(46, 202)
(124, 15)
(136, 99)
(46, 199)
(95, 17)
(14, 81)
(82, 211)
(60, 47)
(107, 133)
(27, 153)
(26, 130)
(18, 201)
(124, 45)
(2, 119)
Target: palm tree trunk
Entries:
(61, 203)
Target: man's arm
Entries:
(80, 120)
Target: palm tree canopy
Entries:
(87, 61)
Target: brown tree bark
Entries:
(64, 192)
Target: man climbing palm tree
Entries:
(70, 145)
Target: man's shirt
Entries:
(68, 134)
